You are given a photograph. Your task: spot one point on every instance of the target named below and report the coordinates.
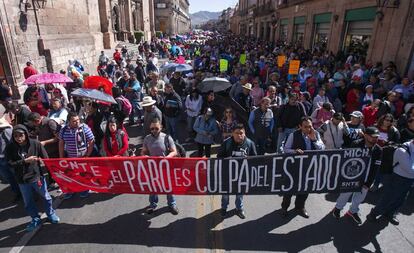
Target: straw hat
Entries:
(247, 86)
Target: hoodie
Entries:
(15, 155)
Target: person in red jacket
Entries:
(29, 70)
(370, 113)
(115, 141)
(117, 57)
(352, 100)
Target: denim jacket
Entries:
(205, 129)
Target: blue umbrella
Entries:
(94, 95)
(183, 68)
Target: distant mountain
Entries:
(201, 17)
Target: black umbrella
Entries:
(215, 84)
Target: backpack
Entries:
(126, 106)
(180, 149)
(387, 161)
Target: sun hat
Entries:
(147, 101)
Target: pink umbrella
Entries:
(47, 78)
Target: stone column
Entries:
(106, 23)
(128, 18)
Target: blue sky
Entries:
(210, 5)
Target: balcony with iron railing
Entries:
(264, 9)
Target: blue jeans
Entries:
(29, 203)
(394, 196)
(153, 199)
(172, 123)
(226, 198)
(282, 137)
(8, 175)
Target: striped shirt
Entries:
(76, 140)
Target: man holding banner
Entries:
(236, 146)
(305, 138)
(371, 135)
(159, 144)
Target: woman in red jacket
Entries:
(115, 141)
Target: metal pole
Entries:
(37, 21)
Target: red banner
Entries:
(311, 172)
(139, 175)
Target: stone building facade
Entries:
(382, 30)
(172, 16)
(49, 33)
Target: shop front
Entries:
(359, 25)
(283, 31)
(299, 30)
(321, 30)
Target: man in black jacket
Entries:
(178, 83)
(172, 109)
(236, 146)
(24, 157)
(289, 118)
(301, 140)
(371, 135)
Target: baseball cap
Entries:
(357, 114)
(372, 131)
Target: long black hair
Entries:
(111, 119)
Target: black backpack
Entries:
(180, 149)
(387, 161)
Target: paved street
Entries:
(117, 223)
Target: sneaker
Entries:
(84, 194)
(150, 210)
(373, 188)
(174, 210)
(241, 214)
(35, 223)
(302, 212)
(355, 217)
(393, 220)
(223, 212)
(336, 213)
(53, 186)
(68, 196)
(53, 218)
